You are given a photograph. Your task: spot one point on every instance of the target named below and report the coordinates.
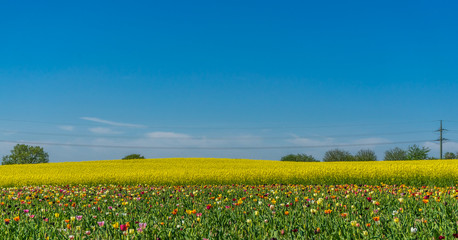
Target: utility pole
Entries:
(441, 139)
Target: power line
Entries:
(208, 138)
(226, 128)
(208, 148)
(49, 123)
(449, 121)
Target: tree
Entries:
(25, 154)
(298, 158)
(337, 155)
(366, 155)
(450, 155)
(133, 156)
(416, 153)
(395, 154)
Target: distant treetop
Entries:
(299, 158)
(25, 154)
(133, 156)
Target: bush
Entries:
(366, 155)
(416, 153)
(25, 154)
(298, 158)
(133, 156)
(450, 155)
(395, 154)
(337, 155)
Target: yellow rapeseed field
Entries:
(193, 171)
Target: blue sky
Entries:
(185, 76)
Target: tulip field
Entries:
(229, 199)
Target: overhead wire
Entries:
(210, 138)
(93, 124)
(210, 148)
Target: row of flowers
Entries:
(229, 211)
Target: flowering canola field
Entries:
(185, 171)
(229, 199)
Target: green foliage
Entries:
(395, 154)
(133, 156)
(366, 155)
(337, 155)
(298, 158)
(25, 154)
(416, 153)
(450, 155)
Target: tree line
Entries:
(25, 154)
(413, 152)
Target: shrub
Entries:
(337, 155)
(416, 153)
(395, 154)
(450, 155)
(366, 155)
(133, 156)
(298, 158)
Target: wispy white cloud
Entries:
(310, 142)
(369, 141)
(331, 141)
(167, 135)
(447, 146)
(168, 139)
(102, 130)
(180, 139)
(161, 143)
(67, 128)
(118, 124)
(5, 148)
(451, 146)
(8, 133)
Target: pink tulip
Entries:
(142, 225)
(123, 227)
